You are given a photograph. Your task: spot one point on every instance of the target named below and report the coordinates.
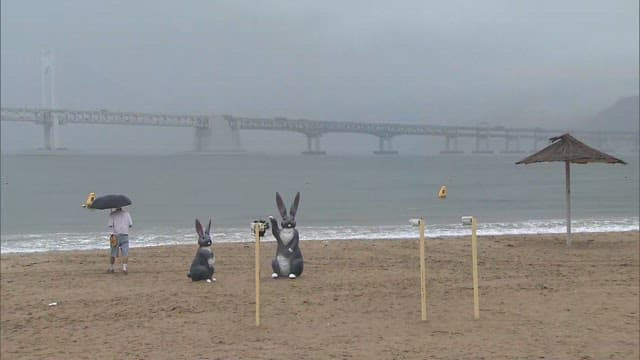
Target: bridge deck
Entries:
(312, 128)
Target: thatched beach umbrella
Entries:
(570, 150)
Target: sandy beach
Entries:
(355, 300)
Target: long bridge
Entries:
(221, 133)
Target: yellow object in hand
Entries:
(90, 199)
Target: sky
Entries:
(510, 63)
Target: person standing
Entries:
(119, 223)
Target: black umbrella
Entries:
(111, 201)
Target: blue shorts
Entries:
(123, 245)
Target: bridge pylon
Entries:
(218, 137)
(51, 124)
(537, 137)
(482, 137)
(451, 144)
(385, 146)
(509, 140)
(51, 131)
(313, 145)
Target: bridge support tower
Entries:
(451, 144)
(51, 124)
(219, 137)
(536, 139)
(313, 145)
(510, 140)
(482, 140)
(385, 146)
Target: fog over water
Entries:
(543, 63)
(342, 197)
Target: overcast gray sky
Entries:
(540, 63)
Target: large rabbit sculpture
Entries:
(288, 260)
(202, 267)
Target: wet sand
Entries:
(355, 300)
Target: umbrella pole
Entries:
(567, 170)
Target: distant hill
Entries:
(624, 115)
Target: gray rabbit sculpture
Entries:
(288, 260)
(202, 267)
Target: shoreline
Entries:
(355, 299)
(269, 239)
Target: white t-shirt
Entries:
(120, 222)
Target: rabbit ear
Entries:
(199, 228)
(281, 208)
(294, 206)
(208, 228)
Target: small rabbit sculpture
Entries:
(202, 267)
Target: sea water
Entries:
(342, 197)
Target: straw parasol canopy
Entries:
(570, 150)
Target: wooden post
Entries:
(567, 170)
(474, 256)
(423, 273)
(256, 230)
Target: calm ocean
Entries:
(349, 197)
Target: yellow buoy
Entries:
(443, 192)
(90, 199)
